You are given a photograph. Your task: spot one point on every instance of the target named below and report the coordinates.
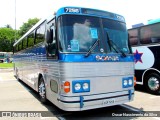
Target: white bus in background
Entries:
(5, 57)
(145, 42)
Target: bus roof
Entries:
(144, 26)
(90, 12)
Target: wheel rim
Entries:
(153, 83)
(42, 90)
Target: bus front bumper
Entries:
(86, 102)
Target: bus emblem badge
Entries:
(107, 58)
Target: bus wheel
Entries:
(153, 83)
(42, 91)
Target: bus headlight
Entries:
(127, 82)
(130, 82)
(80, 86)
(77, 86)
(85, 86)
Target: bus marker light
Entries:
(134, 81)
(66, 87)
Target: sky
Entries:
(134, 11)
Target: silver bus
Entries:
(78, 59)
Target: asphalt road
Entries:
(17, 96)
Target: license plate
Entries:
(108, 102)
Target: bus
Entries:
(5, 57)
(145, 42)
(2, 57)
(79, 59)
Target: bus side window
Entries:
(40, 34)
(145, 35)
(51, 44)
(155, 36)
(133, 37)
(20, 46)
(30, 39)
(25, 43)
(16, 48)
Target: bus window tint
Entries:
(31, 39)
(75, 33)
(133, 37)
(20, 46)
(25, 43)
(117, 33)
(150, 34)
(40, 34)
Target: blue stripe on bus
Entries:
(76, 57)
(95, 58)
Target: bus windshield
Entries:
(78, 33)
(117, 32)
(1, 55)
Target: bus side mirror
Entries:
(50, 35)
(51, 49)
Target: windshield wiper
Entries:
(92, 48)
(114, 46)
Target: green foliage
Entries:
(28, 25)
(6, 65)
(7, 37)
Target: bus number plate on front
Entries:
(108, 101)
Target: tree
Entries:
(7, 37)
(28, 25)
(8, 26)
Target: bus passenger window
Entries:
(31, 39)
(24, 43)
(145, 37)
(133, 37)
(40, 34)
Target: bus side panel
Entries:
(146, 58)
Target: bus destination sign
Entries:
(72, 10)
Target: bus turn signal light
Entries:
(134, 81)
(66, 87)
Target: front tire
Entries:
(42, 91)
(152, 83)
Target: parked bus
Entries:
(145, 42)
(5, 57)
(2, 57)
(78, 59)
